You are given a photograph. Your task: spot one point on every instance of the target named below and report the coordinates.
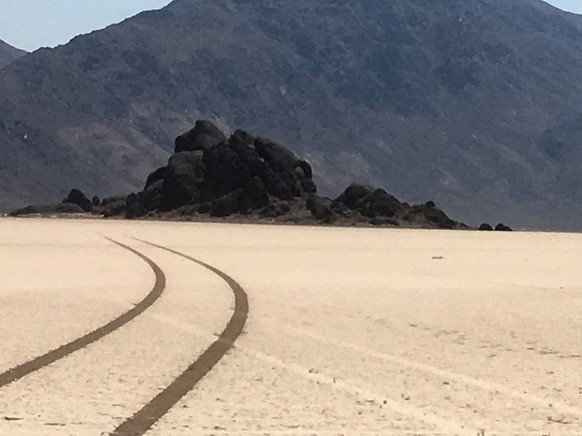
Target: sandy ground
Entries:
(350, 331)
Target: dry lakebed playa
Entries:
(165, 328)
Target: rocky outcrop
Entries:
(250, 178)
(212, 174)
(246, 175)
(382, 208)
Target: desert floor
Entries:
(349, 331)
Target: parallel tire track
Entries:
(145, 418)
(39, 362)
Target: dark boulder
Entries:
(113, 199)
(133, 207)
(156, 176)
(96, 201)
(182, 180)
(383, 204)
(485, 227)
(503, 228)
(251, 197)
(229, 167)
(77, 197)
(356, 196)
(225, 205)
(152, 197)
(241, 138)
(276, 155)
(203, 136)
(320, 208)
(428, 217)
(430, 204)
(286, 177)
(369, 201)
(439, 218)
(113, 206)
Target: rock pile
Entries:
(249, 178)
(210, 174)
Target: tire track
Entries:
(39, 362)
(149, 414)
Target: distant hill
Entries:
(474, 104)
(9, 54)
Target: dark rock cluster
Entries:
(499, 228)
(210, 174)
(365, 203)
(249, 178)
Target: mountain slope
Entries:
(471, 103)
(9, 54)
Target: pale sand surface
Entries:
(350, 331)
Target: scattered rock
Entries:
(486, 227)
(503, 228)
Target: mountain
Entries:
(9, 54)
(475, 104)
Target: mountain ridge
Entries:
(463, 103)
(9, 54)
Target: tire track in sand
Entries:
(44, 360)
(149, 414)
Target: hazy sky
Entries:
(30, 24)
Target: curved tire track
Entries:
(149, 414)
(39, 362)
